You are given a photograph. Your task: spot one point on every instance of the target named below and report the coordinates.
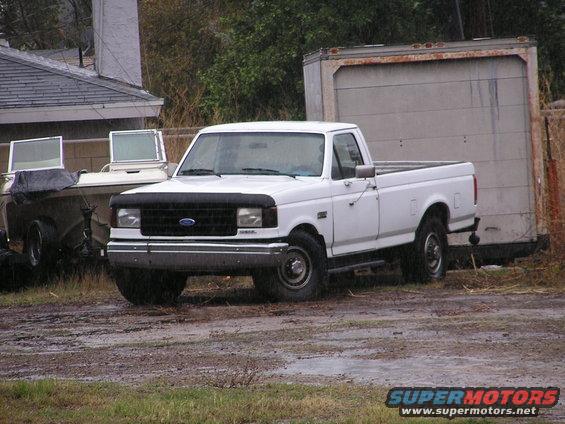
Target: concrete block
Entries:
(4, 152)
(68, 150)
(96, 149)
(78, 164)
(98, 163)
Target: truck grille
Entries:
(210, 220)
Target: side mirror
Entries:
(364, 171)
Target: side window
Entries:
(346, 156)
(336, 169)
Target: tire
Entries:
(41, 246)
(425, 259)
(148, 287)
(302, 276)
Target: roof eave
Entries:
(124, 110)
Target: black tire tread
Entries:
(412, 261)
(267, 284)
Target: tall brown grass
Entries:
(85, 285)
(553, 139)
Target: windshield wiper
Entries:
(268, 170)
(199, 171)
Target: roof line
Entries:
(138, 109)
(84, 75)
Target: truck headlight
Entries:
(128, 218)
(249, 217)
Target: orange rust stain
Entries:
(422, 57)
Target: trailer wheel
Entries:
(425, 259)
(302, 275)
(149, 287)
(41, 245)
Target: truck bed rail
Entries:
(387, 167)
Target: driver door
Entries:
(355, 200)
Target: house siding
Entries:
(90, 155)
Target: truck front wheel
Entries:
(142, 287)
(425, 259)
(301, 276)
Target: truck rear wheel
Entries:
(425, 259)
(301, 276)
(149, 287)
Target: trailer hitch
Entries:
(474, 239)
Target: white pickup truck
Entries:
(289, 203)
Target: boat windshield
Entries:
(136, 146)
(36, 154)
(256, 153)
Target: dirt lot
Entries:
(364, 333)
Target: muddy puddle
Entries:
(364, 336)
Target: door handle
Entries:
(347, 183)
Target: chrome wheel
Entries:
(433, 253)
(296, 270)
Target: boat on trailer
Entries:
(48, 212)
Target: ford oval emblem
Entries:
(187, 222)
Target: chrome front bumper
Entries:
(196, 256)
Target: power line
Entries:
(78, 88)
(103, 45)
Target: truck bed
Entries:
(388, 167)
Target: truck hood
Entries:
(247, 184)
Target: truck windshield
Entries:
(264, 153)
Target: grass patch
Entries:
(87, 286)
(94, 284)
(543, 272)
(540, 273)
(47, 401)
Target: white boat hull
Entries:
(64, 208)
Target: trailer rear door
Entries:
(469, 109)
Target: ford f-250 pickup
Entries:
(289, 203)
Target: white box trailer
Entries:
(473, 101)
